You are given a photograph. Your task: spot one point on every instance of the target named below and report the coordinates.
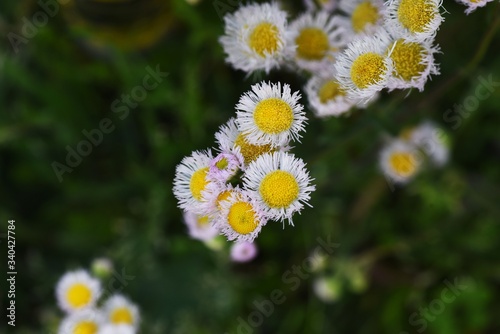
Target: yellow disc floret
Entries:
(79, 295)
(264, 39)
(368, 70)
(249, 151)
(85, 327)
(222, 197)
(312, 44)
(242, 218)
(122, 315)
(279, 189)
(222, 164)
(403, 163)
(365, 13)
(416, 15)
(329, 91)
(408, 59)
(198, 182)
(273, 116)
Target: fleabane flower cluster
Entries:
(251, 177)
(404, 157)
(79, 295)
(350, 50)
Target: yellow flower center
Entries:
(222, 197)
(264, 39)
(222, 164)
(403, 163)
(79, 295)
(279, 189)
(415, 15)
(251, 152)
(365, 13)
(367, 70)
(121, 315)
(312, 44)
(329, 91)
(202, 221)
(198, 182)
(85, 327)
(273, 116)
(408, 59)
(242, 218)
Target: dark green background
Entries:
(118, 202)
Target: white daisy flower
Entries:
(117, 329)
(318, 39)
(326, 97)
(199, 226)
(225, 165)
(243, 251)
(216, 193)
(119, 310)
(269, 114)
(326, 5)
(88, 321)
(366, 16)
(77, 290)
(255, 37)
(473, 4)
(191, 180)
(413, 63)
(229, 138)
(241, 219)
(414, 20)
(400, 161)
(432, 140)
(364, 68)
(280, 184)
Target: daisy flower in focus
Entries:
(191, 180)
(216, 194)
(270, 114)
(432, 140)
(326, 97)
(87, 321)
(279, 183)
(255, 37)
(77, 290)
(364, 68)
(326, 5)
(414, 20)
(413, 63)
(119, 310)
(240, 219)
(318, 38)
(243, 251)
(400, 161)
(199, 226)
(229, 138)
(473, 4)
(366, 16)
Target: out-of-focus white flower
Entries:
(77, 290)
(243, 251)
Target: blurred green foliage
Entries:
(118, 201)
